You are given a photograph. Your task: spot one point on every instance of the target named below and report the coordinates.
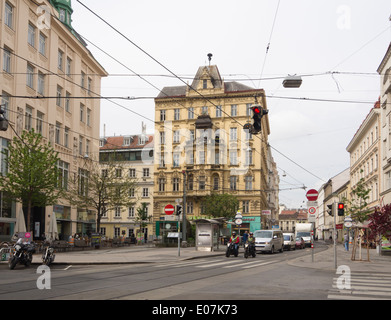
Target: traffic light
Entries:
(330, 209)
(341, 209)
(178, 210)
(258, 113)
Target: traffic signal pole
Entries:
(335, 234)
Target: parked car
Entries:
(269, 240)
(300, 243)
(289, 241)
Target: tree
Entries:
(103, 187)
(356, 207)
(32, 176)
(142, 216)
(221, 205)
(380, 222)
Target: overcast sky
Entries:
(309, 38)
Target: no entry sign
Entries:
(169, 209)
(312, 195)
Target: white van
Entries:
(269, 240)
(289, 241)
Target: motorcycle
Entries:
(48, 255)
(249, 249)
(231, 250)
(22, 253)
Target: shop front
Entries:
(163, 228)
(86, 222)
(64, 221)
(250, 224)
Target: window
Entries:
(31, 35)
(204, 84)
(42, 44)
(66, 137)
(118, 173)
(3, 156)
(248, 180)
(59, 96)
(201, 183)
(177, 113)
(249, 157)
(145, 192)
(204, 110)
(81, 112)
(83, 182)
(146, 172)
(89, 85)
(62, 15)
(117, 213)
(30, 76)
(68, 102)
(234, 110)
(131, 212)
(60, 62)
(162, 184)
(176, 160)
(132, 173)
(63, 174)
(233, 157)
(7, 60)
(189, 209)
(218, 112)
(162, 115)
(69, 66)
(175, 184)
(39, 124)
(58, 133)
(176, 136)
(215, 183)
(8, 15)
(190, 113)
(41, 83)
(233, 134)
(88, 117)
(28, 118)
(5, 103)
(83, 79)
(162, 138)
(132, 193)
(190, 183)
(233, 182)
(80, 145)
(246, 206)
(201, 157)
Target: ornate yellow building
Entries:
(199, 137)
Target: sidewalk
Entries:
(130, 255)
(325, 260)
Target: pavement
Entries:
(147, 254)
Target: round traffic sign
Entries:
(312, 195)
(312, 210)
(169, 209)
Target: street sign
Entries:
(169, 209)
(238, 218)
(312, 195)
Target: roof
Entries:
(118, 142)
(210, 72)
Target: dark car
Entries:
(300, 244)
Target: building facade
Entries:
(200, 140)
(48, 79)
(385, 111)
(134, 153)
(365, 156)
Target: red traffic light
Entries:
(341, 206)
(256, 110)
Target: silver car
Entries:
(269, 240)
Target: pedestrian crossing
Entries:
(218, 263)
(362, 286)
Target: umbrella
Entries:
(52, 233)
(20, 225)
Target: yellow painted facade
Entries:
(199, 135)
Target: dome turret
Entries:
(64, 8)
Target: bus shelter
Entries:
(207, 234)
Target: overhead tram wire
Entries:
(171, 72)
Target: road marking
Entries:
(258, 265)
(67, 268)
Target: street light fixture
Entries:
(292, 82)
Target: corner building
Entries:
(47, 83)
(199, 138)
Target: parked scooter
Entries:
(231, 250)
(48, 255)
(22, 253)
(249, 249)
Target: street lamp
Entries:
(292, 82)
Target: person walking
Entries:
(346, 241)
